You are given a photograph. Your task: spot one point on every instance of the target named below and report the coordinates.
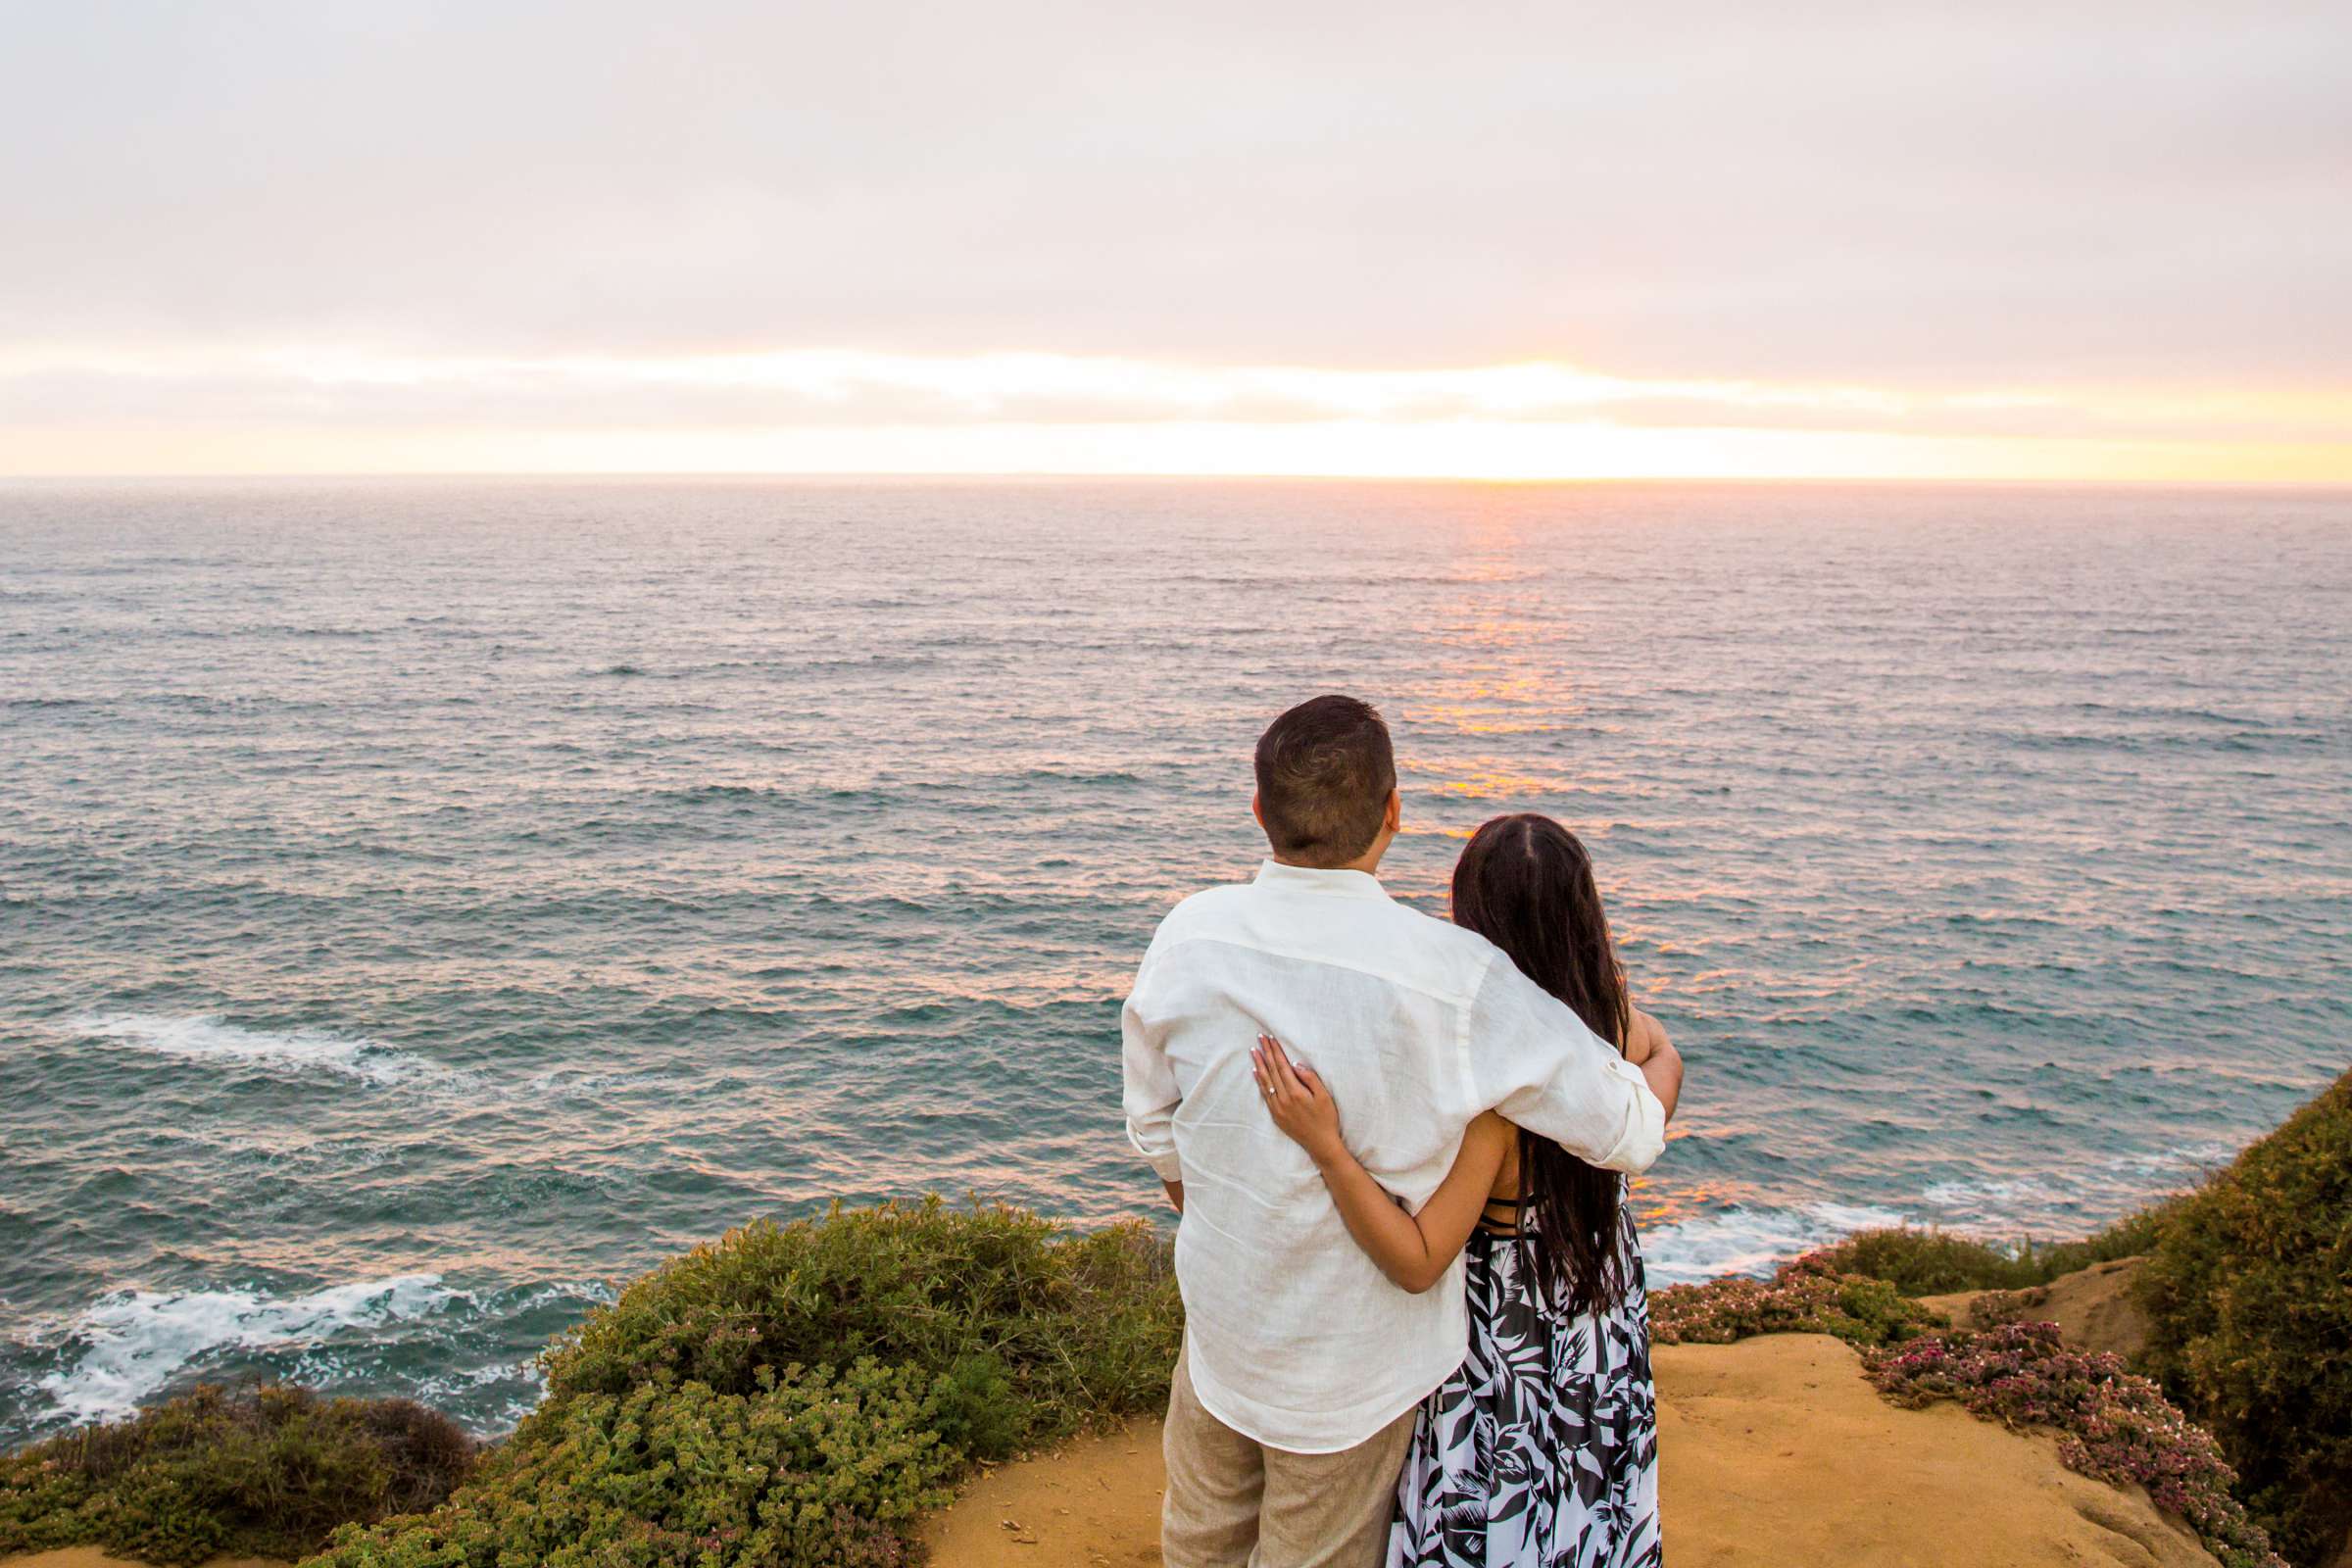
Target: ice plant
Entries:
(2112, 1424)
(1809, 1296)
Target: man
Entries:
(1295, 1395)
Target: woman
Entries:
(1540, 1451)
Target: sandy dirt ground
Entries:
(2093, 1309)
(1774, 1453)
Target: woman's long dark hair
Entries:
(1525, 884)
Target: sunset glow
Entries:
(846, 412)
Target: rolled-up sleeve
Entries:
(1148, 1090)
(1531, 1059)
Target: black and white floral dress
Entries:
(1542, 1450)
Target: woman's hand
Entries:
(1298, 1102)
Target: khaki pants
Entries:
(1233, 1502)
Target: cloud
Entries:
(2101, 223)
(1841, 192)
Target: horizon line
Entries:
(916, 476)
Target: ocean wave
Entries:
(493, 1399)
(204, 1038)
(590, 1085)
(770, 796)
(2074, 1198)
(471, 1353)
(2045, 1205)
(131, 1344)
(1747, 1240)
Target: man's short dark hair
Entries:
(1325, 770)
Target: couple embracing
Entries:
(1415, 1323)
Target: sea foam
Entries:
(1748, 1240)
(202, 1038)
(133, 1343)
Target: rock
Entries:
(2093, 1308)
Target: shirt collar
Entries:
(1315, 879)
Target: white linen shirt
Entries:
(1295, 1337)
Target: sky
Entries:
(2085, 240)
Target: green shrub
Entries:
(2133, 1236)
(1034, 1330)
(1919, 1262)
(267, 1471)
(1930, 1262)
(793, 1396)
(812, 1469)
(1810, 1295)
(2250, 1297)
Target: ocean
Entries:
(423, 905)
